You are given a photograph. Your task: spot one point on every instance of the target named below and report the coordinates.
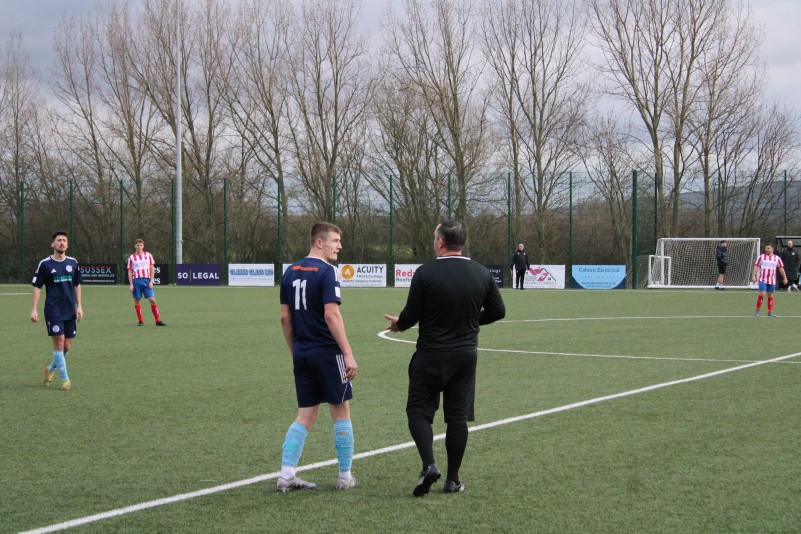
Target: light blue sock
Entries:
(343, 442)
(60, 364)
(293, 445)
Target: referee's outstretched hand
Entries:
(393, 323)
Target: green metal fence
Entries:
(580, 220)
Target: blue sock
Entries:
(343, 442)
(60, 364)
(293, 445)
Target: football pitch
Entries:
(596, 411)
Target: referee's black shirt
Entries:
(450, 297)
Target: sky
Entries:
(35, 20)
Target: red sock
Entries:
(138, 309)
(155, 309)
(770, 304)
(759, 301)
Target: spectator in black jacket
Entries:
(722, 257)
(520, 264)
(791, 263)
(449, 298)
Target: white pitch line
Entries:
(261, 478)
(384, 335)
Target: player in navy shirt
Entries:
(61, 276)
(322, 358)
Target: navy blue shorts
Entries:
(321, 379)
(141, 287)
(68, 328)
(453, 375)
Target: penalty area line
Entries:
(375, 452)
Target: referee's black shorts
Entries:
(453, 374)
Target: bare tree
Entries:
(652, 52)
(534, 50)
(433, 44)
(330, 87)
(730, 89)
(256, 92)
(406, 152)
(20, 103)
(130, 122)
(80, 133)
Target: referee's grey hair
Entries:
(453, 234)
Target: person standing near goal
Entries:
(791, 262)
(141, 272)
(722, 257)
(765, 267)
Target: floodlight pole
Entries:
(179, 215)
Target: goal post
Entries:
(689, 262)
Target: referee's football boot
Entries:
(428, 476)
(453, 486)
(294, 483)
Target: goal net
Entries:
(690, 262)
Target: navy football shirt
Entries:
(306, 287)
(59, 279)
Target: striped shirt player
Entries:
(141, 274)
(764, 273)
(322, 358)
(61, 277)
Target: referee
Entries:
(449, 297)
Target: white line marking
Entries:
(270, 476)
(385, 335)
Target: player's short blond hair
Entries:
(320, 230)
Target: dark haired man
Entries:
(61, 277)
(450, 298)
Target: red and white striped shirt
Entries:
(139, 264)
(768, 263)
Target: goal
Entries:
(690, 262)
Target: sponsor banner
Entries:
(363, 275)
(497, 273)
(543, 277)
(161, 274)
(197, 274)
(251, 274)
(99, 273)
(598, 277)
(404, 273)
(284, 267)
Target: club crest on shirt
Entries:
(69, 268)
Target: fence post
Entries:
(509, 218)
(279, 267)
(720, 205)
(72, 212)
(634, 247)
(122, 231)
(391, 225)
(22, 230)
(570, 221)
(225, 229)
(449, 196)
(785, 202)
